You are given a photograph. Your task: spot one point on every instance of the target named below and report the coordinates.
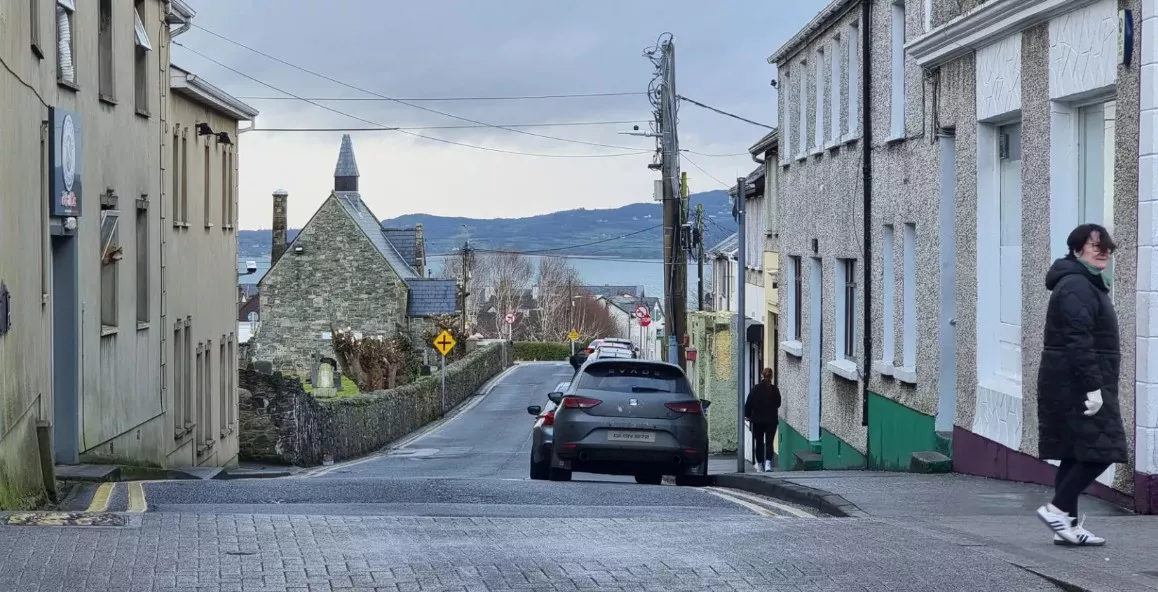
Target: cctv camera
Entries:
(635, 127)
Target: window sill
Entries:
(36, 51)
(227, 227)
(894, 139)
(803, 156)
(144, 113)
(74, 87)
(106, 99)
(906, 375)
(850, 138)
(845, 369)
(792, 348)
(208, 225)
(142, 326)
(884, 367)
(833, 146)
(107, 330)
(818, 150)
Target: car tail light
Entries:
(686, 407)
(549, 418)
(580, 402)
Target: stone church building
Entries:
(343, 269)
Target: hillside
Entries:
(552, 233)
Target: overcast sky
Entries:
(444, 48)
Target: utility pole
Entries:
(466, 262)
(699, 246)
(675, 257)
(570, 315)
(741, 326)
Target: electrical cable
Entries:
(401, 101)
(725, 113)
(409, 133)
(433, 127)
(570, 247)
(477, 98)
(710, 176)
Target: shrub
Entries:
(541, 350)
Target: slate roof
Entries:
(430, 296)
(628, 305)
(728, 246)
(608, 290)
(404, 240)
(351, 201)
(347, 166)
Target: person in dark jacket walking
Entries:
(1079, 419)
(762, 410)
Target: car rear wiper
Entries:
(648, 389)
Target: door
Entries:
(815, 361)
(1009, 322)
(66, 324)
(947, 383)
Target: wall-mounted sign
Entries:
(1125, 37)
(5, 309)
(65, 187)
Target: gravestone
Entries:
(325, 377)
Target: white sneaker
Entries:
(1085, 537)
(1059, 522)
(759, 468)
(768, 466)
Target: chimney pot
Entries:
(279, 234)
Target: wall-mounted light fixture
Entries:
(223, 138)
(203, 129)
(298, 250)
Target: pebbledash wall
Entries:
(1044, 104)
(281, 423)
(1146, 410)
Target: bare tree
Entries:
(509, 277)
(478, 273)
(592, 319)
(558, 284)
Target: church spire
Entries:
(346, 173)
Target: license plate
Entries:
(631, 436)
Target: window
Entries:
(141, 59)
(802, 133)
(222, 388)
(65, 44)
(230, 387)
(34, 27)
(928, 15)
(1009, 262)
(175, 173)
(834, 81)
(142, 249)
(110, 254)
(909, 298)
(208, 187)
(201, 355)
(818, 132)
(846, 288)
(207, 397)
(1096, 161)
(185, 179)
(897, 129)
(224, 189)
(785, 112)
(108, 82)
(631, 377)
(797, 298)
(888, 296)
(178, 373)
(853, 79)
(187, 367)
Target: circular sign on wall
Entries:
(68, 152)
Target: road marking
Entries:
(138, 504)
(739, 502)
(762, 506)
(100, 499)
(797, 512)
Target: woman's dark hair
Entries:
(1081, 235)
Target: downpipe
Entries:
(867, 147)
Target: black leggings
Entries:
(763, 434)
(1073, 477)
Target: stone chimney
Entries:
(346, 172)
(277, 249)
(419, 251)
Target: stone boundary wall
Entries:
(281, 423)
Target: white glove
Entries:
(1093, 402)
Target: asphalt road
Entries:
(453, 510)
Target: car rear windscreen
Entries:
(633, 377)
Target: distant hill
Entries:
(571, 232)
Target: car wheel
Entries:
(649, 479)
(540, 471)
(559, 474)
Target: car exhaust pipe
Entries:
(582, 457)
(677, 459)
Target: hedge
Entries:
(539, 350)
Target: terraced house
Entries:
(87, 235)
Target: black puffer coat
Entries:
(1082, 354)
(763, 404)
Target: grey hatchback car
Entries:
(630, 417)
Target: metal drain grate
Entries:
(65, 519)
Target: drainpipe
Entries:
(867, 147)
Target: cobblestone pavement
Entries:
(267, 553)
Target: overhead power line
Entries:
(434, 127)
(402, 101)
(402, 131)
(479, 98)
(701, 169)
(570, 247)
(722, 112)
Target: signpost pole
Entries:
(444, 384)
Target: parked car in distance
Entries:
(622, 341)
(542, 435)
(630, 417)
(612, 351)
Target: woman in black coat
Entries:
(1079, 419)
(762, 410)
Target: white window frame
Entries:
(834, 80)
(794, 323)
(141, 49)
(928, 15)
(908, 369)
(853, 68)
(897, 81)
(818, 131)
(785, 114)
(1096, 144)
(888, 301)
(802, 132)
(844, 364)
(65, 42)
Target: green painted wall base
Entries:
(791, 442)
(838, 454)
(895, 432)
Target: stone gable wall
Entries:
(281, 423)
(339, 279)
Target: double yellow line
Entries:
(138, 504)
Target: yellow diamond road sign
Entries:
(444, 342)
(573, 335)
